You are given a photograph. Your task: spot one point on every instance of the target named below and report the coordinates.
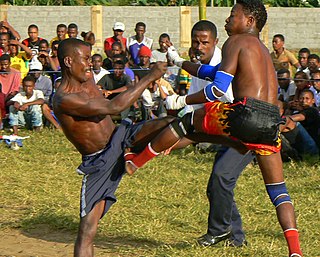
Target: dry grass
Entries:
(160, 211)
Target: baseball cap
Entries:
(119, 26)
(35, 65)
(145, 51)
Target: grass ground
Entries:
(161, 210)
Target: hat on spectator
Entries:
(35, 65)
(145, 51)
(119, 26)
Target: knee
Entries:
(278, 193)
(87, 231)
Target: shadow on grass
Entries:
(63, 229)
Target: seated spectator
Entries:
(303, 55)
(42, 83)
(153, 96)
(118, 30)
(281, 57)
(287, 87)
(26, 108)
(4, 43)
(309, 116)
(5, 27)
(114, 83)
(124, 59)
(315, 88)
(18, 59)
(47, 108)
(143, 67)
(33, 41)
(313, 63)
(134, 43)
(10, 78)
(301, 82)
(61, 34)
(98, 71)
(72, 30)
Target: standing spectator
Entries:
(33, 41)
(303, 55)
(281, 57)
(42, 83)
(313, 63)
(10, 78)
(98, 71)
(61, 34)
(4, 43)
(26, 108)
(135, 42)
(315, 81)
(116, 49)
(5, 27)
(287, 87)
(73, 30)
(118, 30)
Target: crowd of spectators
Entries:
(30, 72)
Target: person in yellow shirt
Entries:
(18, 58)
(61, 33)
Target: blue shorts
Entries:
(104, 169)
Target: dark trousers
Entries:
(223, 214)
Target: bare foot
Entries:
(130, 166)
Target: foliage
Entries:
(160, 210)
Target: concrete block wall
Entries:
(298, 25)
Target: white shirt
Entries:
(98, 76)
(151, 99)
(316, 96)
(199, 84)
(291, 91)
(21, 97)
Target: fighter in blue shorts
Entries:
(84, 115)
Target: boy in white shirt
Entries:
(26, 108)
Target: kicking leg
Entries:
(87, 231)
(272, 172)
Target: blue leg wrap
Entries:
(278, 193)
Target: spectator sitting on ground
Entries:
(153, 97)
(281, 57)
(309, 116)
(47, 108)
(127, 70)
(26, 108)
(61, 34)
(72, 30)
(141, 69)
(287, 87)
(42, 83)
(5, 27)
(49, 64)
(33, 41)
(134, 43)
(313, 63)
(53, 59)
(303, 55)
(98, 71)
(118, 30)
(315, 81)
(10, 78)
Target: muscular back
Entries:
(245, 56)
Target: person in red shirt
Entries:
(33, 41)
(118, 29)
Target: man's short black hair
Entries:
(44, 41)
(119, 62)
(257, 9)
(304, 50)
(96, 55)
(164, 35)
(205, 25)
(283, 71)
(61, 25)
(29, 78)
(5, 33)
(141, 24)
(72, 26)
(280, 36)
(33, 26)
(5, 57)
(314, 56)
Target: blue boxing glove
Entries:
(221, 84)
(208, 72)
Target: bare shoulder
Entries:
(66, 101)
